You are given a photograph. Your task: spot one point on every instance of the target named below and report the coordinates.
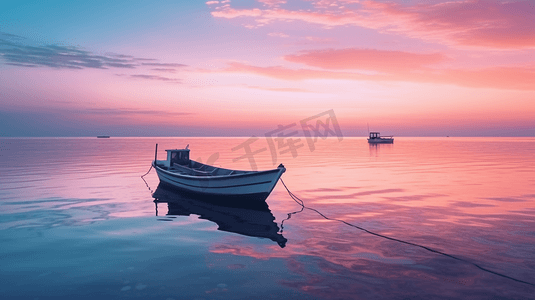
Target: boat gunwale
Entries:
(212, 177)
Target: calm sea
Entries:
(78, 222)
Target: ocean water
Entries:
(77, 221)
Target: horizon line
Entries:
(248, 136)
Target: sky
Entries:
(242, 68)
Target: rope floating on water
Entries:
(151, 191)
(147, 172)
(302, 204)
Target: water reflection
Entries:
(469, 197)
(245, 218)
(375, 149)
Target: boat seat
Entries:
(208, 173)
(199, 168)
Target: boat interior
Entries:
(178, 162)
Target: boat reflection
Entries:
(376, 148)
(245, 218)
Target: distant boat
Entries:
(201, 180)
(252, 219)
(103, 136)
(376, 138)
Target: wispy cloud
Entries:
(492, 24)
(167, 70)
(272, 3)
(280, 72)
(156, 77)
(515, 78)
(317, 40)
(127, 112)
(18, 51)
(14, 51)
(365, 59)
(278, 34)
(165, 67)
(275, 89)
(173, 65)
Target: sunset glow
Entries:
(241, 68)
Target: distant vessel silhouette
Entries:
(103, 136)
(376, 138)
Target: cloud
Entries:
(272, 89)
(126, 112)
(491, 24)
(156, 77)
(514, 78)
(167, 70)
(120, 55)
(272, 3)
(165, 65)
(278, 34)
(318, 40)
(279, 72)
(365, 59)
(18, 51)
(60, 57)
(518, 78)
(231, 13)
(146, 59)
(5, 35)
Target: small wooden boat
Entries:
(190, 176)
(376, 138)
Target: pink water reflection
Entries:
(472, 198)
(469, 197)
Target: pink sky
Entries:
(243, 67)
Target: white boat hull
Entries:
(254, 185)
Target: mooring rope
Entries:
(147, 172)
(151, 192)
(289, 216)
(301, 202)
